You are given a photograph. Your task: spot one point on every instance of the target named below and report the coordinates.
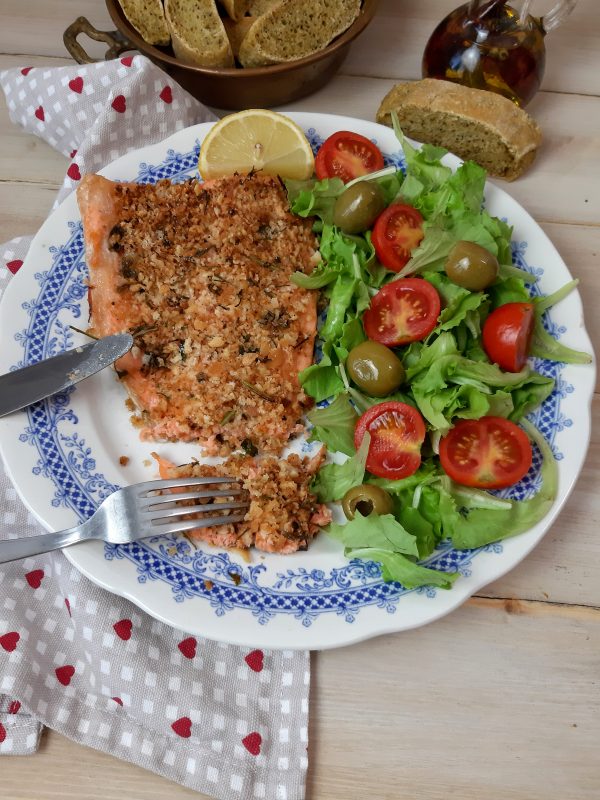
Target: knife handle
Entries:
(15, 549)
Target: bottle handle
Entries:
(557, 14)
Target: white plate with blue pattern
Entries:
(63, 453)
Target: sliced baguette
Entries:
(474, 124)
(236, 8)
(236, 32)
(148, 18)
(197, 33)
(258, 7)
(292, 30)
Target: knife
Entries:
(30, 384)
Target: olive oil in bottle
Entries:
(488, 44)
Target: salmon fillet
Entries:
(199, 274)
(283, 516)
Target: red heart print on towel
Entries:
(73, 172)
(14, 707)
(68, 605)
(255, 660)
(188, 647)
(123, 629)
(2, 733)
(76, 84)
(26, 70)
(166, 95)
(39, 113)
(14, 266)
(127, 61)
(117, 700)
(9, 641)
(119, 104)
(73, 153)
(183, 727)
(252, 743)
(64, 674)
(34, 578)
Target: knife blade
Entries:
(37, 381)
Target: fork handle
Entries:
(15, 549)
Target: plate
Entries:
(63, 454)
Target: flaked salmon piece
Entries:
(199, 274)
(283, 516)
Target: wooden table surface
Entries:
(501, 699)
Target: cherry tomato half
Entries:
(397, 433)
(396, 233)
(488, 453)
(347, 155)
(402, 311)
(507, 335)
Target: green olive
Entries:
(471, 266)
(366, 499)
(357, 208)
(375, 369)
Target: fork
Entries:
(139, 511)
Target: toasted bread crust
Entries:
(472, 123)
(291, 30)
(197, 33)
(148, 18)
(258, 7)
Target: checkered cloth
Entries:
(224, 720)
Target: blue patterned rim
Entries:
(66, 460)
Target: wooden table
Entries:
(501, 699)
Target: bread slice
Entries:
(236, 8)
(472, 123)
(292, 30)
(197, 33)
(236, 32)
(258, 7)
(148, 18)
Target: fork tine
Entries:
(171, 483)
(179, 511)
(153, 502)
(190, 524)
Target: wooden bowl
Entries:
(231, 88)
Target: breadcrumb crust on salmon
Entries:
(283, 516)
(199, 274)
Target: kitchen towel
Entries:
(224, 720)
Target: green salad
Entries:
(423, 361)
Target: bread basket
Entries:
(221, 87)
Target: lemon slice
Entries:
(256, 139)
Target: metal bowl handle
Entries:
(117, 42)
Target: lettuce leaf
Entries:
(431, 254)
(384, 539)
(333, 480)
(334, 425)
(447, 385)
(475, 527)
(339, 303)
(396, 567)
(543, 345)
(419, 526)
(313, 198)
(321, 276)
(375, 531)
(321, 380)
(456, 301)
